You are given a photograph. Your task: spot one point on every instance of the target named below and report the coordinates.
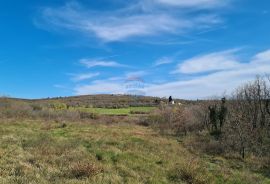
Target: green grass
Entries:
(41, 152)
(120, 111)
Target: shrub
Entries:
(16, 110)
(176, 120)
(189, 172)
(36, 107)
(58, 106)
(88, 115)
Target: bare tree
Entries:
(247, 125)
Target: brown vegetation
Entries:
(239, 124)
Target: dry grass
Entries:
(47, 152)
(83, 170)
(190, 172)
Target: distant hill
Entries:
(105, 101)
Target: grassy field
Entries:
(49, 152)
(118, 111)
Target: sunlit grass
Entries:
(44, 152)
(119, 111)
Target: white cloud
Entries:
(213, 84)
(100, 87)
(135, 74)
(125, 23)
(115, 78)
(225, 80)
(199, 4)
(163, 61)
(113, 85)
(90, 63)
(262, 57)
(122, 28)
(206, 86)
(210, 62)
(83, 76)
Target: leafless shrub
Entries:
(248, 123)
(22, 110)
(11, 109)
(240, 123)
(176, 120)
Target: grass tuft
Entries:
(83, 170)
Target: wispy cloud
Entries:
(224, 80)
(262, 58)
(198, 4)
(163, 61)
(201, 86)
(83, 76)
(210, 62)
(90, 63)
(100, 87)
(128, 22)
(113, 85)
(136, 74)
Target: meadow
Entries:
(118, 111)
(143, 141)
(37, 151)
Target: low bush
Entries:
(27, 111)
(190, 172)
(88, 115)
(176, 120)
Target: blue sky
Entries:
(184, 48)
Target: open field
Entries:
(118, 111)
(134, 92)
(69, 141)
(50, 152)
